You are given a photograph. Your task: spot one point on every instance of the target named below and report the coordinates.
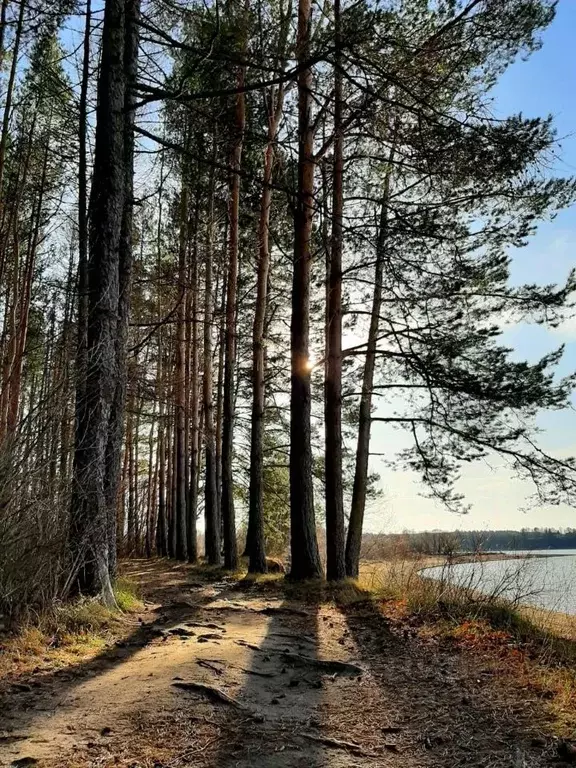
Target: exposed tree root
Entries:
(271, 610)
(349, 746)
(256, 672)
(294, 636)
(205, 625)
(211, 691)
(209, 665)
(330, 666)
(247, 645)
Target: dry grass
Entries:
(530, 649)
(67, 633)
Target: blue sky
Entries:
(544, 84)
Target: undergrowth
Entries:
(78, 628)
(529, 648)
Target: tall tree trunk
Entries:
(152, 486)
(255, 546)
(82, 281)
(162, 519)
(303, 542)
(228, 514)
(335, 527)
(116, 427)
(360, 487)
(10, 320)
(3, 10)
(22, 334)
(129, 451)
(180, 548)
(10, 91)
(212, 526)
(67, 357)
(221, 336)
(121, 509)
(170, 485)
(194, 410)
(162, 523)
(90, 537)
(136, 476)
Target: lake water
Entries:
(545, 582)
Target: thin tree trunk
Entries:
(255, 546)
(136, 476)
(335, 527)
(162, 524)
(10, 91)
(180, 544)
(173, 477)
(121, 517)
(11, 315)
(130, 456)
(169, 448)
(194, 410)
(3, 31)
(360, 487)
(153, 493)
(220, 291)
(212, 527)
(82, 289)
(303, 542)
(162, 520)
(16, 372)
(149, 487)
(228, 514)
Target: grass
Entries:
(530, 649)
(69, 632)
(127, 594)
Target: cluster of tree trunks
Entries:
(150, 377)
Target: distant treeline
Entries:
(449, 542)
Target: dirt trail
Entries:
(224, 676)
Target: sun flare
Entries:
(310, 363)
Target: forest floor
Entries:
(220, 673)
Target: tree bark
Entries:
(335, 527)
(303, 542)
(90, 523)
(15, 380)
(220, 312)
(194, 410)
(162, 522)
(181, 544)
(228, 515)
(3, 10)
(10, 90)
(255, 545)
(212, 526)
(116, 427)
(82, 281)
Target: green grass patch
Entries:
(127, 594)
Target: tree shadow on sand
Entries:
(278, 693)
(29, 698)
(444, 708)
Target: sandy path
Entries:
(395, 705)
